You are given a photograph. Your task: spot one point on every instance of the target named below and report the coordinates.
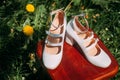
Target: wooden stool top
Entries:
(74, 66)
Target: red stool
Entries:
(74, 66)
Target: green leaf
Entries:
(76, 2)
(27, 22)
(19, 29)
(102, 3)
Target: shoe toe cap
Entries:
(101, 60)
(52, 61)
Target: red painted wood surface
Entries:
(74, 66)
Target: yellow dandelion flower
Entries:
(94, 16)
(82, 7)
(28, 30)
(53, 4)
(97, 15)
(86, 16)
(30, 8)
(32, 56)
(12, 30)
(95, 20)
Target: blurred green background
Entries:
(18, 60)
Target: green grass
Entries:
(18, 60)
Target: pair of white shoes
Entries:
(75, 32)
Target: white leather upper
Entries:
(101, 60)
(51, 61)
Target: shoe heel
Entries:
(69, 39)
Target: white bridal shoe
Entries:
(85, 39)
(53, 49)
